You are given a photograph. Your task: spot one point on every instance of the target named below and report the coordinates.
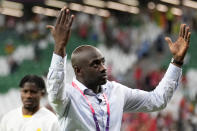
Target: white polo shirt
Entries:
(42, 120)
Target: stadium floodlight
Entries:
(174, 2)
(162, 8)
(45, 11)
(11, 5)
(176, 11)
(117, 6)
(38, 10)
(89, 10)
(11, 12)
(130, 2)
(97, 3)
(190, 3)
(56, 3)
(75, 7)
(133, 10)
(103, 13)
(151, 5)
(51, 12)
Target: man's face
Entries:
(30, 95)
(94, 70)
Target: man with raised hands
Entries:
(92, 103)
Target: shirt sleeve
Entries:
(141, 101)
(57, 95)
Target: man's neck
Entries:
(29, 111)
(95, 88)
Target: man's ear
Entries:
(43, 92)
(77, 70)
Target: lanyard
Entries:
(92, 109)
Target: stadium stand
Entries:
(136, 55)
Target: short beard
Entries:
(31, 109)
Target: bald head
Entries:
(89, 66)
(79, 55)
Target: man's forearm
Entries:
(55, 81)
(55, 78)
(169, 83)
(60, 51)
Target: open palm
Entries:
(180, 47)
(61, 31)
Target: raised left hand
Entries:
(180, 47)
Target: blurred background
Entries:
(130, 33)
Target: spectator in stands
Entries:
(30, 117)
(93, 103)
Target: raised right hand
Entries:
(61, 31)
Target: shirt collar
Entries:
(85, 90)
(79, 84)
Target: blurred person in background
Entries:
(91, 102)
(30, 117)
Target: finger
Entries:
(59, 17)
(71, 21)
(186, 33)
(67, 17)
(169, 41)
(181, 30)
(50, 27)
(184, 30)
(63, 18)
(188, 37)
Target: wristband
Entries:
(180, 63)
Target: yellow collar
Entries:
(27, 116)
